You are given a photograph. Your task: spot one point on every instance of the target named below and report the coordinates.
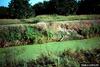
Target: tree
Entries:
(47, 7)
(62, 7)
(39, 8)
(89, 7)
(4, 12)
(20, 9)
(65, 7)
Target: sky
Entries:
(6, 2)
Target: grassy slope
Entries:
(67, 18)
(49, 18)
(33, 51)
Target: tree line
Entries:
(23, 9)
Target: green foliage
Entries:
(88, 7)
(33, 34)
(68, 61)
(4, 12)
(52, 18)
(20, 9)
(11, 34)
(66, 7)
(94, 30)
(35, 20)
(43, 61)
(61, 7)
(67, 58)
(49, 18)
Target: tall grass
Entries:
(49, 18)
(64, 59)
(92, 31)
(30, 34)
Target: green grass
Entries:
(49, 18)
(9, 21)
(29, 52)
(33, 51)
